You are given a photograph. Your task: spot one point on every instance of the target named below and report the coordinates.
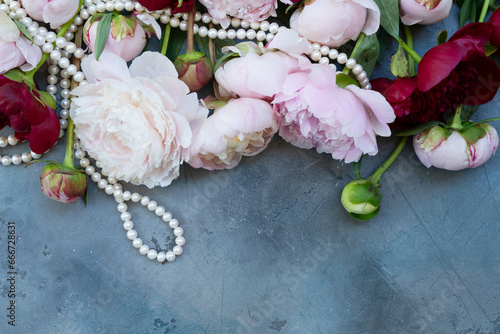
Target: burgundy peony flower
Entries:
(27, 116)
(495, 22)
(151, 5)
(450, 74)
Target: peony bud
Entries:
(361, 198)
(63, 184)
(461, 149)
(424, 11)
(195, 70)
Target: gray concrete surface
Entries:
(269, 250)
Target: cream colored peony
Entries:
(138, 121)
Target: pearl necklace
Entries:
(61, 49)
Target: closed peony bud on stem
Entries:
(63, 184)
(194, 68)
(362, 197)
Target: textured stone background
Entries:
(270, 250)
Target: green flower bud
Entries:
(63, 184)
(361, 198)
(194, 69)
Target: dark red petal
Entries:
(19, 124)
(44, 135)
(495, 22)
(401, 89)
(22, 136)
(487, 81)
(437, 64)
(4, 121)
(380, 84)
(477, 32)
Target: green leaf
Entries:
(226, 57)
(418, 129)
(367, 53)
(490, 49)
(175, 43)
(14, 75)
(23, 29)
(473, 134)
(399, 64)
(103, 28)
(465, 12)
(382, 41)
(202, 43)
(343, 80)
(473, 11)
(48, 100)
(356, 167)
(442, 37)
(389, 16)
(468, 111)
(489, 120)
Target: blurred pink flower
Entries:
(54, 12)
(454, 152)
(137, 122)
(424, 11)
(335, 22)
(253, 11)
(15, 49)
(243, 127)
(315, 113)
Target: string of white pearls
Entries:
(15, 159)
(111, 186)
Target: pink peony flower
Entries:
(315, 113)
(54, 12)
(424, 11)
(455, 152)
(335, 22)
(253, 11)
(243, 127)
(15, 49)
(127, 37)
(260, 72)
(137, 122)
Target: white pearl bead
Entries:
(109, 189)
(145, 200)
(79, 153)
(129, 6)
(245, 24)
(164, 18)
(32, 30)
(251, 34)
(324, 60)
(61, 42)
(35, 155)
(167, 216)
(364, 82)
(361, 76)
(78, 21)
(178, 231)
(203, 31)
(125, 216)
(152, 254)
(84, 162)
(90, 170)
(324, 50)
(342, 58)
(170, 256)
(221, 34)
(26, 21)
(152, 205)
(16, 159)
(6, 160)
(63, 124)
(63, 62)
(65, 104)
(70, 47)
(161, 257)
(177, 250)
(144, 249)
(110, 6)
(274, 27)
(350, 63)
(180, 241)
(126, 195)
(206, 18)
(112, 180)
(231, 34)
(122, 207)
(51, 89)
(131, 234)
(197, 16)
(159, 211)
(333, 54)
(241, 34)
(39, 40)
(357, 69)
(3, 142)
(47, 48)
(79, 53)
(135, 197)
(117, 193)
(174, 22)
(212, 33)
(315, 55)
(12, 140)
(368, 86)
(173, 223)
(137, 242)
(26, 157)
(128, 225)
(183, 25)
(102, 184)
(65, 94)
(96, 177)
(261, 36)
(264, 26)
(84, 14)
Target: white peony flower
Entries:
(136, 122)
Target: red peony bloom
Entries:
(174, 5)
(27, 116)
(450, 74)
(495, 22)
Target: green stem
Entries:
(375, 177)
(190, 32)
(484, 10)
(70, 142)
(457, 120)
(166, 37)
(409, 50)
(409, 42)
(354, 51)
